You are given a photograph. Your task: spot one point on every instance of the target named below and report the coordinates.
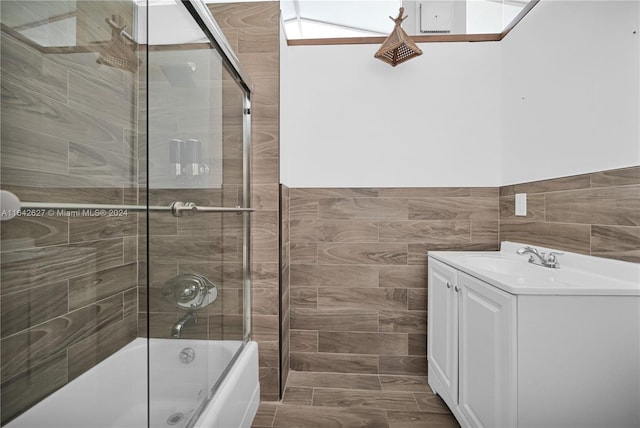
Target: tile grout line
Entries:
(273, 419)
(413, 394)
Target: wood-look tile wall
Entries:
(596, 214)
(285, 289)
(68, 293)
(358, 261)
(253, 31)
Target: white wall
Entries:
(558, 96)
(285, 157)
(349, 120)
(571, 90)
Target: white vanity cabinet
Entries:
(442, 321)
(471, 347)
(519, 346)
(487, 354)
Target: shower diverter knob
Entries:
(190, 291)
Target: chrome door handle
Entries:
(179, 208)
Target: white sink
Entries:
(497, 264)
(577, 274)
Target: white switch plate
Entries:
(521, 204)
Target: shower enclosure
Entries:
(125, 137)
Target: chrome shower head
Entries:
(119, 52)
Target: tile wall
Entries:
(358, 256)
(253, 31)
(358, 271)
(68, 294)
(596, 214)
(285, 289)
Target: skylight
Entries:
(313, 19)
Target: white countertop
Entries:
(577, 275)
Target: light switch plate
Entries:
(521, 204)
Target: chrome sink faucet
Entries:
(540, 258)
(189, 319)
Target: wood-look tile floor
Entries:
(338, 400)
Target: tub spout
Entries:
(189, 319)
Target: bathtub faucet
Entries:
(189, 319)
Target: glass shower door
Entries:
(124, 235)
(69, 270)
(197, 261)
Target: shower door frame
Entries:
(201, 14)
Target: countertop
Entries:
(578, 274)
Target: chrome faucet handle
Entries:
(553, 254)
(552, 259)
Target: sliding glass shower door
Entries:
(70, 159)
(124, 170)
(198, 116)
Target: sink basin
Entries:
(578, 274)
(524, 272)
(496, 264)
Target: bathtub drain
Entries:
(175, 418)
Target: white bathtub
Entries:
(114, 393)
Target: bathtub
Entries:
(114, 393)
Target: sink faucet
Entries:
(189, 319)
(540, 258)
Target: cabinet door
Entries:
(442, 336)
(487, 358)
